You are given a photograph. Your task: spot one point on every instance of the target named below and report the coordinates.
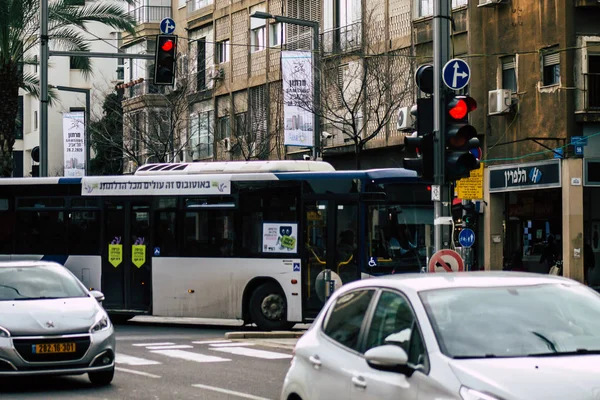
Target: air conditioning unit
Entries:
(406, 119)
(499, 101)
(491, 3)
(215, 73)
(226, 144)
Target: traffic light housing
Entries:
(460, 138)
(164, 59)
(422, 143)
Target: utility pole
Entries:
(441, 55)
(44, 88)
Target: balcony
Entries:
(150, 14)
(197, 8)
(342, 39)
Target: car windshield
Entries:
(515, 321)
(38, 282)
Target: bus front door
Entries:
(331, 256)
(126, 260)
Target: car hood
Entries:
(48, 317)
(533, 378)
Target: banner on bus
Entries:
(156, 185)
(280, 237)
(297, 85)
(74, 143)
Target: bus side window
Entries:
(165, 233)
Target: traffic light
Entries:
(422, 143)
(460, 138)
(164, 59)
(470, 215)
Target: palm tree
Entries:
(19, 36)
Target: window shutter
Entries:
(551, 59)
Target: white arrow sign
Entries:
(457, 74)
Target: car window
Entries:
(346, 317)
(394, 323)
(44, 281)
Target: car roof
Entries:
(431, 281)
(24, 264)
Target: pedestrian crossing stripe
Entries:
(190, 356)
(244, 351)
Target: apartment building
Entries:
(538, 76)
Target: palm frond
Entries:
(71, 39)
(107, 13)
(31, 84)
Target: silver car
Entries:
(50, 324)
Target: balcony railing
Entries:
(592, 91)
(144, 88)
(147, 14)
(342, 39)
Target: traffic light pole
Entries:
(441, 55)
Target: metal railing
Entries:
(146, 14)
(342, 39)
(144, 88)
(592, 91)
(195, 5)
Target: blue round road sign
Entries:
(466, 237)
(456, 74)
(167, 26)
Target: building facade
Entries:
(538, 67)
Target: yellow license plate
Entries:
(51, 348)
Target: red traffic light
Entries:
(459, 110)
(168, 45)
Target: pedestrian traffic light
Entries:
(460, 138)
(164, 59)
(469, 215)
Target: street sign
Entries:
(466, 237)
(578, 150)
(558, 152)
(477, 153)
(471, 188)
(436, 193)
(446, 261)
(579, 140)
(167, 26)
(456, 74)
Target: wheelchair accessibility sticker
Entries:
(296, 267)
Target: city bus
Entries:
(259, 241)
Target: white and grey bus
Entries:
(243, 240)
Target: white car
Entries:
(467, 336)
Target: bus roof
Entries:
(232, 167)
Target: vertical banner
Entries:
(297, 74)
(74, 143)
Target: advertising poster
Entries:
(298, 98)
(74, 143)
(280, 237)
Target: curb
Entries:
(264, 335)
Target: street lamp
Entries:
(315, 78)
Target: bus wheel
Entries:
(268, 308)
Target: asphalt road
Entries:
(172, 362)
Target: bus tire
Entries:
(268, 308)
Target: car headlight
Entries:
(470, 394)
(4, 332)
(102, 322)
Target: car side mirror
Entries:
(99, 296)
(389, 358)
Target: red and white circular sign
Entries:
(446, 261)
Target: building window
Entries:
(35, 120)
(205, 135)
(223, 128)
(425, 7)
(121, 69)
(277, 34)
(19, 122)
(35, 65)
(223, 51)
(509, 76)
(201, 64)
(76, 62)
(550, 68)
(257, 39)
(593, 81)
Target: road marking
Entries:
(230, 392)
(232, 344)
(131, 360)
(152, 344)
(212, 341)
(243, 351)
(188, 355)
(177, 346)
(131, 371)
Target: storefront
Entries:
(534, 216)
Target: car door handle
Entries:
(359, 382)
(316, 361)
